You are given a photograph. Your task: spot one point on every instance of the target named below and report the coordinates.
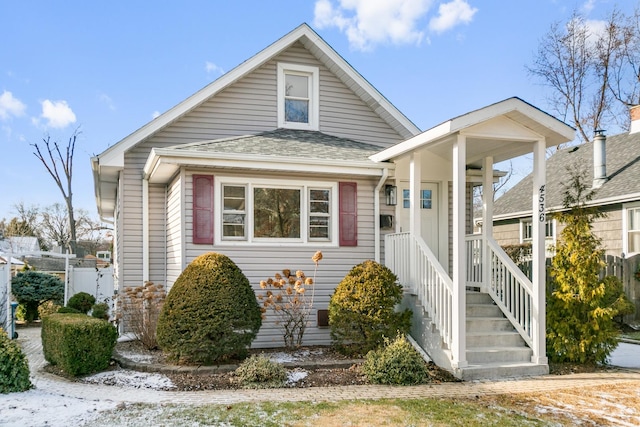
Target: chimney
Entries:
(634, 112)
(600, 158)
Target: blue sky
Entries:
(108, 67)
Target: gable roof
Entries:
(511, 125)
(280, 149)
(114, 155)
(622, 185)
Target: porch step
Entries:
(485, 355)
(488, 324)
(478, 298)
(483, 310)
(494, 339)
(501, 370)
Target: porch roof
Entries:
(504, 130)
(278, 150)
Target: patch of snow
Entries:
(128, 378)
(127, 337)
(295, 376)
(39, 408)
(288, 357)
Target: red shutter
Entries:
(348, 208)
(203, 209)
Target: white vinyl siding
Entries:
(248, 106)
(258, 262)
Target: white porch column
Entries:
(415, 179)
(487, 220)
(538, 253)
(458, 345)
(145, 231)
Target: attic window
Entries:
(298, 98)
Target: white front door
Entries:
(428, 212)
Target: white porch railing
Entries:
(418, 269)
(510, 289)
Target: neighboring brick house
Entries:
(616, 179)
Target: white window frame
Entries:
(625, 226)
(314, 98)
(548, 239)
(303, 186)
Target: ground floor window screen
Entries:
(233, 211)
(276, 213)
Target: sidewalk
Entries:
(29, 339)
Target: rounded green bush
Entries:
(67, 310)
(33, 287)
(82, 302)
(100, 311)
(261, 372)
(397, 363)
(211, 313)
(14, 369)
(362, 310)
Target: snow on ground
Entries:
(35, 408)
(295, 376)
(287, 357)
(128, 378)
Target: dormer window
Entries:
(297, 96)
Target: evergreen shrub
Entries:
(261, 372)
(362, 310)
(100, 311)
(14, 369)
(77, 343)
(31, 288)
(82, 302)
(397, 363)
(211, 313)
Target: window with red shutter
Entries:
(203, 209)
(348, 208)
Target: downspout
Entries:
(145, 230)
(376, 213)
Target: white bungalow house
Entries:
(293, 151)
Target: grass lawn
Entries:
(386, 412)
(635, 335)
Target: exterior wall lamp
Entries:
(391, 194)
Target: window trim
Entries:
(548, 239)
(314, 98)
(303, 186)
(625, 226)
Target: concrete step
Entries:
(488, 324)
(483, 310)
(501, 371)
(478, 298)
(495, 339)
(484, 355)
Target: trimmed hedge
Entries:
(82, 301)
(77, 343)
(211, 313)
(362, 310)
(14, 369)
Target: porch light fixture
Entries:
(391, 194)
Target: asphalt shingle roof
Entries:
(623, 173)
(288, 143)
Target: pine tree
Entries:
(581, 306)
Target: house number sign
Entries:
(541, 197)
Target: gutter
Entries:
(376, 213)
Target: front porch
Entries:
(475, 313)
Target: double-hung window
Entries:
(631, 229)
(277, 211)
(298, 99)
(526, 230)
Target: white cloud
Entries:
(371, 22)
(57, 113)
(210, 67)
(588, 6)
(10, 106)
(451, 14)
(155, 114)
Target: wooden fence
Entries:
(622, 268)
